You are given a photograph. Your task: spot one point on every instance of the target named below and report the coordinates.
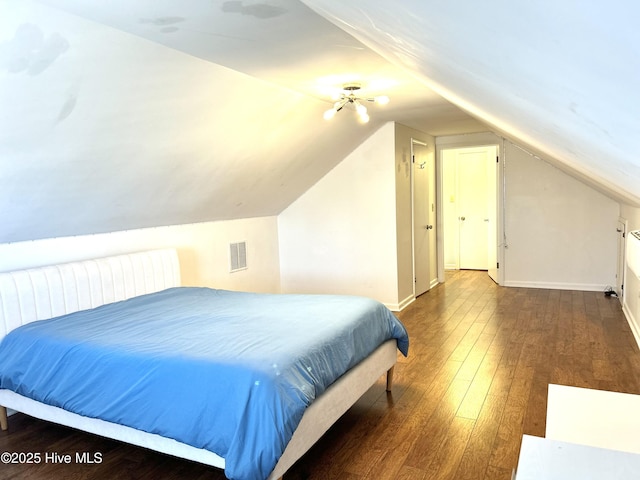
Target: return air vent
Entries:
(633, 252)
(238, 256)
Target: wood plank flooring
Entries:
(475, 381)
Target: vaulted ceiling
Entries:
(135, 113)
(560, 77)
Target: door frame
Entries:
(466, 141)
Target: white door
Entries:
(621, 230)
(433, 242)
(473, 208)
(422, 228)
(492, 213)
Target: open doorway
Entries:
(469, 199)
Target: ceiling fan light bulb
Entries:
(361, 109)
(364, 118)
(382, 100)
(329, 114)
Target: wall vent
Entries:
(238, 256)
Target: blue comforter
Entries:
(230, 372)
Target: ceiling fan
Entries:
(349, 96)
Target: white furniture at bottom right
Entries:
(590, 435)
(597, 418)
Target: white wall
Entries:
(560, 233)
(632, 215)
(203, 250)
(351, 233)
(340, 236)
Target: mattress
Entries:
(230, 372)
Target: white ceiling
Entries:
(104, 128)
(283, 42)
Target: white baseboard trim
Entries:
(434, 282)
(584, 287)
(633, 323)
(407, 301)
(397, 307)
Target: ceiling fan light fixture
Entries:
(348, 96)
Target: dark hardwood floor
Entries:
(475, 381)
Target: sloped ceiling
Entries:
(559, 76)
(133, 113)
(127, 114)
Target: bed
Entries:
(160, 355)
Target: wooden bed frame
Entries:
(41, 293)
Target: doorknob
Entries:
(462, 218)
(428, 227)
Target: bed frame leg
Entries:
(4, 423)
(390, 379)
